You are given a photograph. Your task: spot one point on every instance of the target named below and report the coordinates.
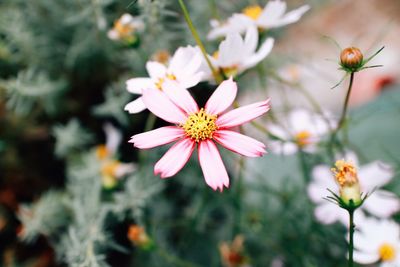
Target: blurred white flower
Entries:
(237, 54)
(185, 68)
(111, 168)
(271, 16)
(377, 240)
(301, 129)
(380, 203)
(125, 27)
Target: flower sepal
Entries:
(352, 60)
(348, 200)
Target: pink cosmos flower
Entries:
(200, 127)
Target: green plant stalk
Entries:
(196, 37)
(351, 237)
(346, 104)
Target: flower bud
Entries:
(138, 236)
(349, 188)
(351, 58)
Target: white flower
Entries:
(125, 27)
(185, 68)
(302, 129)
(237, 54)
(111, 168)
(380, 203)
(377, 240)
(271, 16)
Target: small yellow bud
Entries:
(346, 176)
(351, 57)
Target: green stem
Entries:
(346, 104)
(303, 166)
(265, 131)
(198, 41)
(351, 236)
(150, 122)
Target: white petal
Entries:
(382, 204)
(113, 137)
(272, 12)
(261, 54)
(374, 175)
(136, 85)
(135, 106)
(156, 70)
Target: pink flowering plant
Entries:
(101, 101)
(201, 128)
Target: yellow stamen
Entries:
(215, 54)
(230, 71)
(253, 11)
(200, 126)
(102, 152)
(160, 81)
(302, 138)
(387, 252)
(345, 173)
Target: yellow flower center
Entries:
(160, 81)
(102, 152)
(345, 173)
(253, 11)
(200, 126)
(302, 138)
(387, 252)
(109, 168)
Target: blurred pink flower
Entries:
(202, 127)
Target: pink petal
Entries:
(212, 165)
(135, 106)
(243, 114)
(136, 85)
(180, 97)
(222, 98)
(157, 137)
(159, 104)
(175, 158)
(240, 143)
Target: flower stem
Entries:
(196, 37)
(351, 235)
(346, 104)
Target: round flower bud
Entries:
(351, 58)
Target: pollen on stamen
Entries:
(200, 126)
(160, 81)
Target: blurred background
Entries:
(62, 98)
